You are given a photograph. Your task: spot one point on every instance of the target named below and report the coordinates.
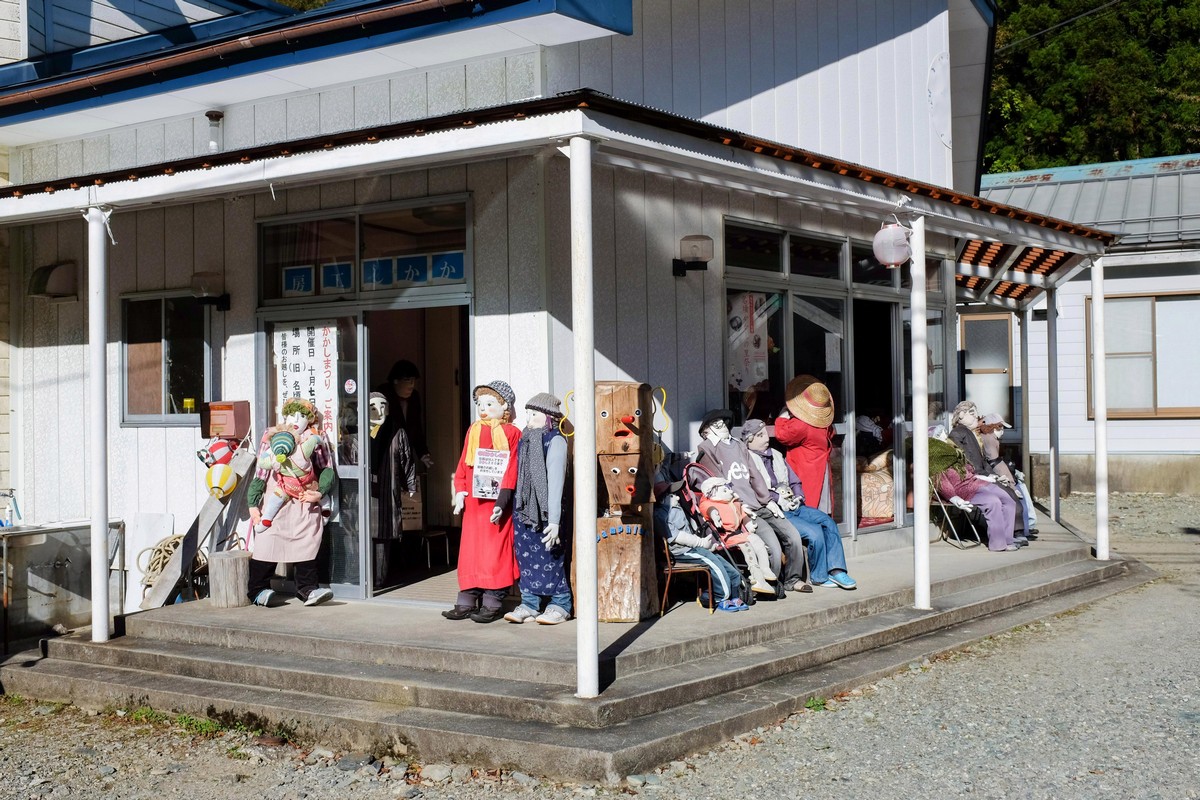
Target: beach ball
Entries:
(282, 445)
(220, 480)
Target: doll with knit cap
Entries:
(537, 516)
(483, 489)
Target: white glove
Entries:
(1020, 475)
(550, 535)
(709, 543)
(751, 526)
(427, 460)
(774, 508)
(958, 502)
(497, 511)
(459, 500)
(1004, 480)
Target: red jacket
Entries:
(806, 449)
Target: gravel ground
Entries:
(1098, 702)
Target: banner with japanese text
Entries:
(305, 358)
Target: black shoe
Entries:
(1032, 535)
(488, 614)
(459, 612)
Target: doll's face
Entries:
(295, 422)
(721, 492)
(535, 419)
(759, 441)
(488, 406)
(716, 431)
(999, 432)
(378, 409)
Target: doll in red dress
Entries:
(483, 490)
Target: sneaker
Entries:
(265, 598)
(843, 580)
(1020, 541)
(521, 614)
(318, 596)
(1011, 548)
(486, 614)
(763, 588)
(459, 612)
(1032, 534)
(553, 615)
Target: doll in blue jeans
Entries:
(826, 558)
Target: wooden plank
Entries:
(179, 245)
(685, 57)
(632, 320)
(197, 535)
(737, 59)
(47, 458)
(627, 60)
(786, 94)
(562, 68)
(595, 64)
(662, 245)
(656, 54)
(716, 207)
(828, 107)
(528, 335)
(711, 35)
(689, 298)
(557, 209)
(151, 255)
(763, 85)
(604, 274)
(489, 185)
(73, 374)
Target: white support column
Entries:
(1052, 384)
(97, 238)
(587, 627)
(920, 401)
(1024, 317)
(1100, 408)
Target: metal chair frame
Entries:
(953, 538)
(670, 568)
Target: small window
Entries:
(1150, 358)
(815, 258)
(751, 248)
(165, 360)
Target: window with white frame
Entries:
(164, 359)
(1150, 357)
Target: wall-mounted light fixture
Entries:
(215, 137)
(209, 289)
(58, 282)
(695, 252)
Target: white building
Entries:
(400, 178)
(1152, 278)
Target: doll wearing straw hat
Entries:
(805, 429)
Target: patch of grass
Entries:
(148, 715)
(815, 704)
(199, 727)
(237, 754)
(12, 699)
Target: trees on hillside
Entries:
(1117, 84)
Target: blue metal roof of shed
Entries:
(1154, 203)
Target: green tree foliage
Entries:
(1119, 84)
(303, 5)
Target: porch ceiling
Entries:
(1007, 256)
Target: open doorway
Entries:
(418, 360)
(875, 413)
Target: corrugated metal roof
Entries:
(1151, 202)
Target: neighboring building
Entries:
(391, 180)
(1152, 296)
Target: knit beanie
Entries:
(499, 389)
(546, 403)
(751, 427)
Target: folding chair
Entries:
(945, 521)
(671, 568)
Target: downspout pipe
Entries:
(97, 289)
(288, 35)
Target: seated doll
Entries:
(292, 459)
(735, 527)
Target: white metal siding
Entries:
(847, 78)
(412, 95)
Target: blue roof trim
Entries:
(58, 65)
(1093, 172)
(614, 15)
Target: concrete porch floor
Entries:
(390, 674)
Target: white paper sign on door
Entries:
(305, 355)
(490, 466)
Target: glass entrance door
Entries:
(318, 359)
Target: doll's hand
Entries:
(1019, 475)
(427, 460)
(550, 535)
(988, 478)
(708, 542)
(497, 511)
(255, 516)
(311, 496)
(459, 499)
(751, 526)
(958, 502)
(774, 508)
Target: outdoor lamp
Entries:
(695, 252)
(209, 289)
(891, 246)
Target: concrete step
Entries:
(644, 693)
(582, 754)
(550, 659)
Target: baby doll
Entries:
(288, 451)
(736, 527)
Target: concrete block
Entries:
(372, 104)
(151, 145)
(270, 122)
(303, 116)
(337, 109)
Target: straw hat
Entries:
(808, 399)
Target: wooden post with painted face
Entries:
(627, 577)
